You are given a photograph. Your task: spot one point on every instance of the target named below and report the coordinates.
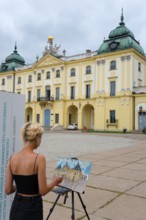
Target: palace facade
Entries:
(100, 90)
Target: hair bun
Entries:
(30, 131)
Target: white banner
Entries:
(12, 108)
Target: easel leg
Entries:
(51, 210)
(73, 207)
(83, 205)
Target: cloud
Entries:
(76, 24)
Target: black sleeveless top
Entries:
(27, 184)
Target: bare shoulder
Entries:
(41, 158)
(14, 155)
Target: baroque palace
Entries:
(101, 90)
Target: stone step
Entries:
(57, 128)
(137, 132)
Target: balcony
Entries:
(113, 123)
(139, 90)
(43, 101)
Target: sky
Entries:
(77, 25)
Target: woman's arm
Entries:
(44, 188)
(9, 187)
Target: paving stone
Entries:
(139, 190)
(110, 163)
(136, 166)
(97, 169)
(111, 183)
(143, 161)
(124, 207)
(128, 158)
(142, 151)
(123, 173)
(93, 217)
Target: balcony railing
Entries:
(111, 123)
(43, 101)
(43, 98)
(39, 99)
(140, 89)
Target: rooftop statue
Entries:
(50, 49)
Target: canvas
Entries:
(75, 173)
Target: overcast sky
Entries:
(75, 24)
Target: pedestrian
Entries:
(26, 176)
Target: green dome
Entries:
(120, 31)
(15, 57)
(120, 44)
(12, 61)
(120, 38)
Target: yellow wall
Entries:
(94, 112)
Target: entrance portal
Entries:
(47, 117)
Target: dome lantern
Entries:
(122, 19)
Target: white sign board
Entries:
(12, 107)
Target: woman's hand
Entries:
(58, 180)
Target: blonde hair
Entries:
(30, 131)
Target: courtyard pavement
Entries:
(116, 189)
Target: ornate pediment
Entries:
(49, 61)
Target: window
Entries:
(112, 88)
(29, 96)
(112, 116)
(58, 74)
(72, 95)
(38, 118)
(48, 75)
(30, 78)
(3, 82)
(28, 118)
(88, 70)
(57, 93)
(19, 80)
(72, 73)
(87, 91)
(48, 93)
(56, 118)
(139, 67)
(39, 77)
(38, 94)
(113, 65)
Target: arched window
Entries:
(88, 69)
(72, 72)
(113, 65)
(58, 74)
(39, 76)
(30, 78)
